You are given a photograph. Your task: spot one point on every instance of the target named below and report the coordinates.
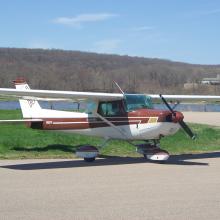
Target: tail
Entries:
(29, 108)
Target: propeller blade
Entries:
(166, 103)
(187, 129)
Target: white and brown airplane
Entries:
(109, 115)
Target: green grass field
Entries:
(17, 141)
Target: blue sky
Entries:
(179, 30)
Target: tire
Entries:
(91, 159)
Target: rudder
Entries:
(30, 108)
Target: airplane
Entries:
(128, 117)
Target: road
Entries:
(188, 187)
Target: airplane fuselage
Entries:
(142, 124)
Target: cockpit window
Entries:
(134, 102)
(109, 109)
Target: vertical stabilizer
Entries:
(29, 108)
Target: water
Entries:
(11, 105)
(193, 107)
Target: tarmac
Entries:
(185, 187)
(208, 118)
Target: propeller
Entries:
(184, 126)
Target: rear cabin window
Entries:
(110, 109)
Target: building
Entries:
(211, 81)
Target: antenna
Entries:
(119, 87)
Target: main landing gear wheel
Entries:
(89, 159)
(87, 152)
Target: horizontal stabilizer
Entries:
(12, 121)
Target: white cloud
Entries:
(106, 46)
(78, 20)
(142, 28)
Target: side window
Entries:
(102, 110)
(110, 109)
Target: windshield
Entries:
(134, 102)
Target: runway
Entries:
(208, 118)
(188, 187)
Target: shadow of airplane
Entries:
(60, 147)
(114, 160)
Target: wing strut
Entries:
(112, 125)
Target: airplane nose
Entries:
(175, 118)
(178, 117)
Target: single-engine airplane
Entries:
(122, 116)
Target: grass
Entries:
(17, 141)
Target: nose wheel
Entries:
(152, 151)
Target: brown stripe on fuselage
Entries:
(140, 116)
(85, 123)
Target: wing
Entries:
(187, 97)
(53, 95)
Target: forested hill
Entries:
(82, 71)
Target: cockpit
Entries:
(131, 102)
(111, 108)
(134, 102)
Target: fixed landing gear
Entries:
(151, 150)
(87, 152)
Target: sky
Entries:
(178, 30)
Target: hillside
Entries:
(74, 70)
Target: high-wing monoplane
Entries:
(121, 116)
